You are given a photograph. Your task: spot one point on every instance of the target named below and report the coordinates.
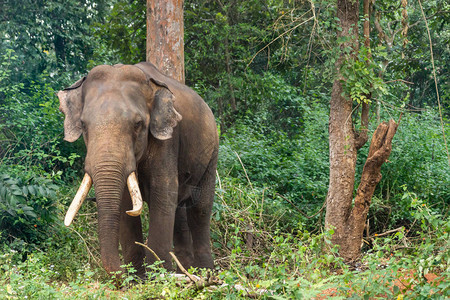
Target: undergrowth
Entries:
(261, 251)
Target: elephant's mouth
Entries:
(85, 186)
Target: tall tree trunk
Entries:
(165, 37)
(348, 219)
(342, 139)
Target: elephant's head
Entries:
(115, 108)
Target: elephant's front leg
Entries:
(160, 182)
(131, 232)
(162, 207)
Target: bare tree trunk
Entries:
(349, 220)
(165, 36)
(342, 138)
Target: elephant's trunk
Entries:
(109, 182)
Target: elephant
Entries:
(156, 136)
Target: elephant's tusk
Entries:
(136, 198)
(82, 192)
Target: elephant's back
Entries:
(197, 131)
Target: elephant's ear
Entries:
(70, 103)
(163, 116)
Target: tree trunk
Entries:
(348, 220)
(165, 37)
(341, 134)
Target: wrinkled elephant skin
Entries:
(138, 123)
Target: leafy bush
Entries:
(286, 154)
(27, 209)
(31, 127)
(32, 156)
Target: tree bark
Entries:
(341, 134)
(348, 220)
(165, 37)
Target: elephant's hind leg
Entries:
(182, 239)
(199, 217)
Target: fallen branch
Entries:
(148, 248)
(387, 232)
(192, 278)
(201, 283)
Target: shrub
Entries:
(32, 156)
(27, 209)
(295, 166)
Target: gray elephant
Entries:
(156, 136)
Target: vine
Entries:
(359, 77)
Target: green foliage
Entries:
(31, 128)
(282, 142)
(361, 77)
(50, 36)
(255, 256)
(219, 48)
(125, 39)
(412, 62)
(32, 159)
(274, 142)
(26, 208)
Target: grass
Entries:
(261, 249)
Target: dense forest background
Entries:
(266, 69)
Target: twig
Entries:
(87, 247)
(413, 109)
(192, 278)
(387, 232)
(309, 48)
(262, 206)
(399, 119)
(245, 171)
(281, 35)
(401, 80)
(148, 248)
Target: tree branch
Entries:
(362, 136)
(148, 248)
(379, 151)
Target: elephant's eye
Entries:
(138, 125)
(83, 126)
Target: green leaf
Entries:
(32, 190)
